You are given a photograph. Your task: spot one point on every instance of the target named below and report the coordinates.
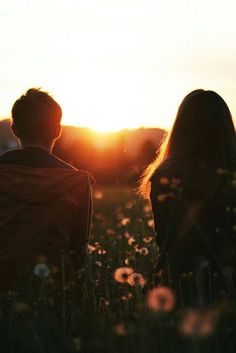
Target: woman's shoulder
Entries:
(189, 173)
(167, 169)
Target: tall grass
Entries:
(100, 312)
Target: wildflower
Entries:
(41, 270)
(136, 279)
(122, 274)
(147, 239)
(161, 299)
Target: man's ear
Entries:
(14, 130)
(58, 131)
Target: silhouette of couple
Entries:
(46, 204)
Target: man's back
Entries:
(45, 207)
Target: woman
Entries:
(193, 191)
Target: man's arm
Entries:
(82, 223)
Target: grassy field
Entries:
(117, 306)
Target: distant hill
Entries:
(116, 157)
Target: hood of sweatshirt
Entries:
(38, 185)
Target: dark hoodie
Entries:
(45, 207)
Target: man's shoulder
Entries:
(85, 176)
(34, 157)
(8, 156)
(58, 162)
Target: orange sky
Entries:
(113, 64)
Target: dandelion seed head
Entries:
(150, 223)
(147, 239)
(104, 302)
(77, 344)
(221, 171)
(147, 208)
(162, 197)
(125, 221)
(126, 297)
(198, 323)
(161, 299)
(90, 249)
(143, 251)
(126, 261)
(137, 247)
(110, 231)
(129, 205)
(122, 274)
(131, 240)
(41, 270)
(120, 330)
(101, 252)
(136, 279)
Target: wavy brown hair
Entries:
(203, 130)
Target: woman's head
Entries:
(203, 130)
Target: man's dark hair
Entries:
(36, 116)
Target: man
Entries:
(45, 203)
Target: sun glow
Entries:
(102, 126)
(117, 64)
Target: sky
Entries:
(115, 64)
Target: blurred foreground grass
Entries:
(115, 308)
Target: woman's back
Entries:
(193, 189)
(194, 212)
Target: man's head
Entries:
(36, 118)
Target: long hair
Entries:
(203, 130)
